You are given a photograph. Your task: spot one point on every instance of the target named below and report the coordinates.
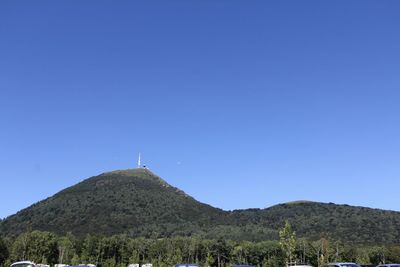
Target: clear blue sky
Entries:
(270, 100)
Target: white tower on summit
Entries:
(138, 162)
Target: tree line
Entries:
(121, 250)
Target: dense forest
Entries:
(138, 203)
(121, 250)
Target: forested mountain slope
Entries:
(139, 203)
(314, 220)
(129, 201)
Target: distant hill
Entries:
(139, 203)
(314, 220)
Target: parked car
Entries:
(389, 265)
(23, 264)
(343, 264)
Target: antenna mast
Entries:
(138, 162)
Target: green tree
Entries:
(377, 255)
(4, 253)
(65, 246)
(75, 260)
(393, 254)
(19, 249)
(221, 252)
(43, 247)
(91, 249)
(239, 254)
(287, 241)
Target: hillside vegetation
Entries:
(140, 204)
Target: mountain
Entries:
(139, 203)
(314, 220)
(128, 201)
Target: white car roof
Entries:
(342, 263)
(23, 262)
